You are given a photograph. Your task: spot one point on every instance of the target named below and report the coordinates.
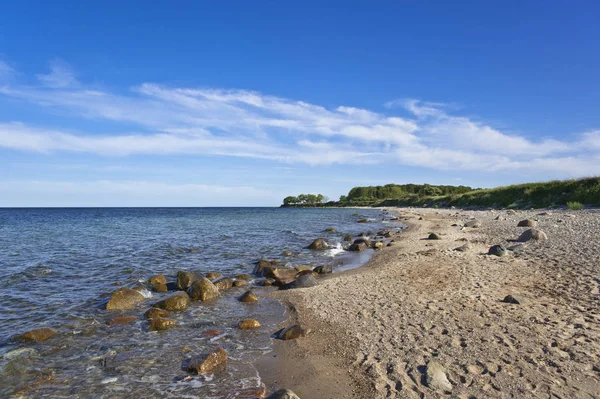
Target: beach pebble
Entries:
(473, 223)
(463, 248)
(208, 363)
(532, 234)
(498, 250)
(283, 394)
(124, 298)
(318, 244)
(38, 335)
(248, 297)
(378, 245)
(435, 377)
(177, 302)
(434, 236)
(203, 290)
(248, 324)
(527, 223)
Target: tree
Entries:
(290, 200)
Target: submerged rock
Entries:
(292, 332)
(527, 223)
(283, 394)
(177, 302)
(124, 298)
(38, 335)
(532, 234)
(185, 279)
(203, 290)
(248, 324)
(161, 324)
(329, 230)
(319, 244)
(248, 297)
(208, 363)
(122, 320)
(158, 279)
(435, 377)
(498, 250)
(154, 313)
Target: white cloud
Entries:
(6, 72)
(61, 75)
(250, 124)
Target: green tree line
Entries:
(305, 200)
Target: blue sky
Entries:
(242, 103)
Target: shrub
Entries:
(574, 205)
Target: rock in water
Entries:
(303, 281)
(161, 324)
(240, 283)
(213, 275)
(435, 377)
(292, 332)
(38, 335)
(358, 247)
(324, 269)
(177, 302)
(158, 279)
(208, 363)
(532, 234)
(203, 290)
(244, 276)
(473, 223)
(154, 313)
(124, 298)
(330, 230)
(223, 283)
(347, 238)
(248, 297)
(122, 320)
(527, 223)
(517, 300)
(279, 273)
(160, 288)
(498, 250)
(248, 324)
(318, 244)
(283, 394)
(185, 279)
(434, 236)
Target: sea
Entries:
(60, 266)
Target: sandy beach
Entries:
(422, 319)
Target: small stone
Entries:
(378, 245)
(177, 302)
(154, 313)
(122, 320)
(532, 234)
(208, 363)
(498, 250)
(287, 253)
(303, 281)
(435, 377)
(434, 236)
(329, 230)
(203, 290)
(473, 223)
(362, 221)
(283, 394)
(161, 324)
(318, 244)
(158, 279)
(527, 223)
(463, 248)
(517, 300)
(38, 335)
(124, 298)
(292, 332)
(248, 324)
(248, 297)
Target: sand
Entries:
(376, 329)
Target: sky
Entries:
(237, 103)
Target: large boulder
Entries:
(248, 297)
(158, 279)
(203, 290)
(303, 281)
(161, 324)
(177, 302)
(124, 298)
(527, 223)
(292, 332)
(532, 234)
(38, 335)
(248, 324)
(318, 244)
(283, 394)
(208, 363)
(435, 377)
(185, 279)
(223, 283)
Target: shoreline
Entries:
(376, 328)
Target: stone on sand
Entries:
(435, 377)
(498, 250)
(515, 299)
(473, 223)
(208, 363)
(532, 234)
(283, 394)
(303, 281)
(434, 236)
(292, 332)
(527, 223)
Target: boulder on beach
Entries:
(248, 324)
(208, 363)
(361, 246)
(303, 281)
(319, 244)
(185, 279)
(514, 299)
(291, 332)
(498, 250)
(283, 394)
(160, 324)
(532, 234)
(154, 313)
(473, 223)
(279, 273)
(435, 377)
(124, 298)
(434, 236)
(158, 279)
(248, 297)
(203, 290)
(378, 245)
(177, 302)
(223, 283)
(38, 335)
(261, 264)
(527, 223)
(463, 248)
(323, 269)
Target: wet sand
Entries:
(375, 329)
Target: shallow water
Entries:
(59, 266)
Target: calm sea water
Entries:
(59, 266)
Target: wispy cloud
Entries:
(6, 72)
(244, 123)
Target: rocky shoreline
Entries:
(471, 304)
